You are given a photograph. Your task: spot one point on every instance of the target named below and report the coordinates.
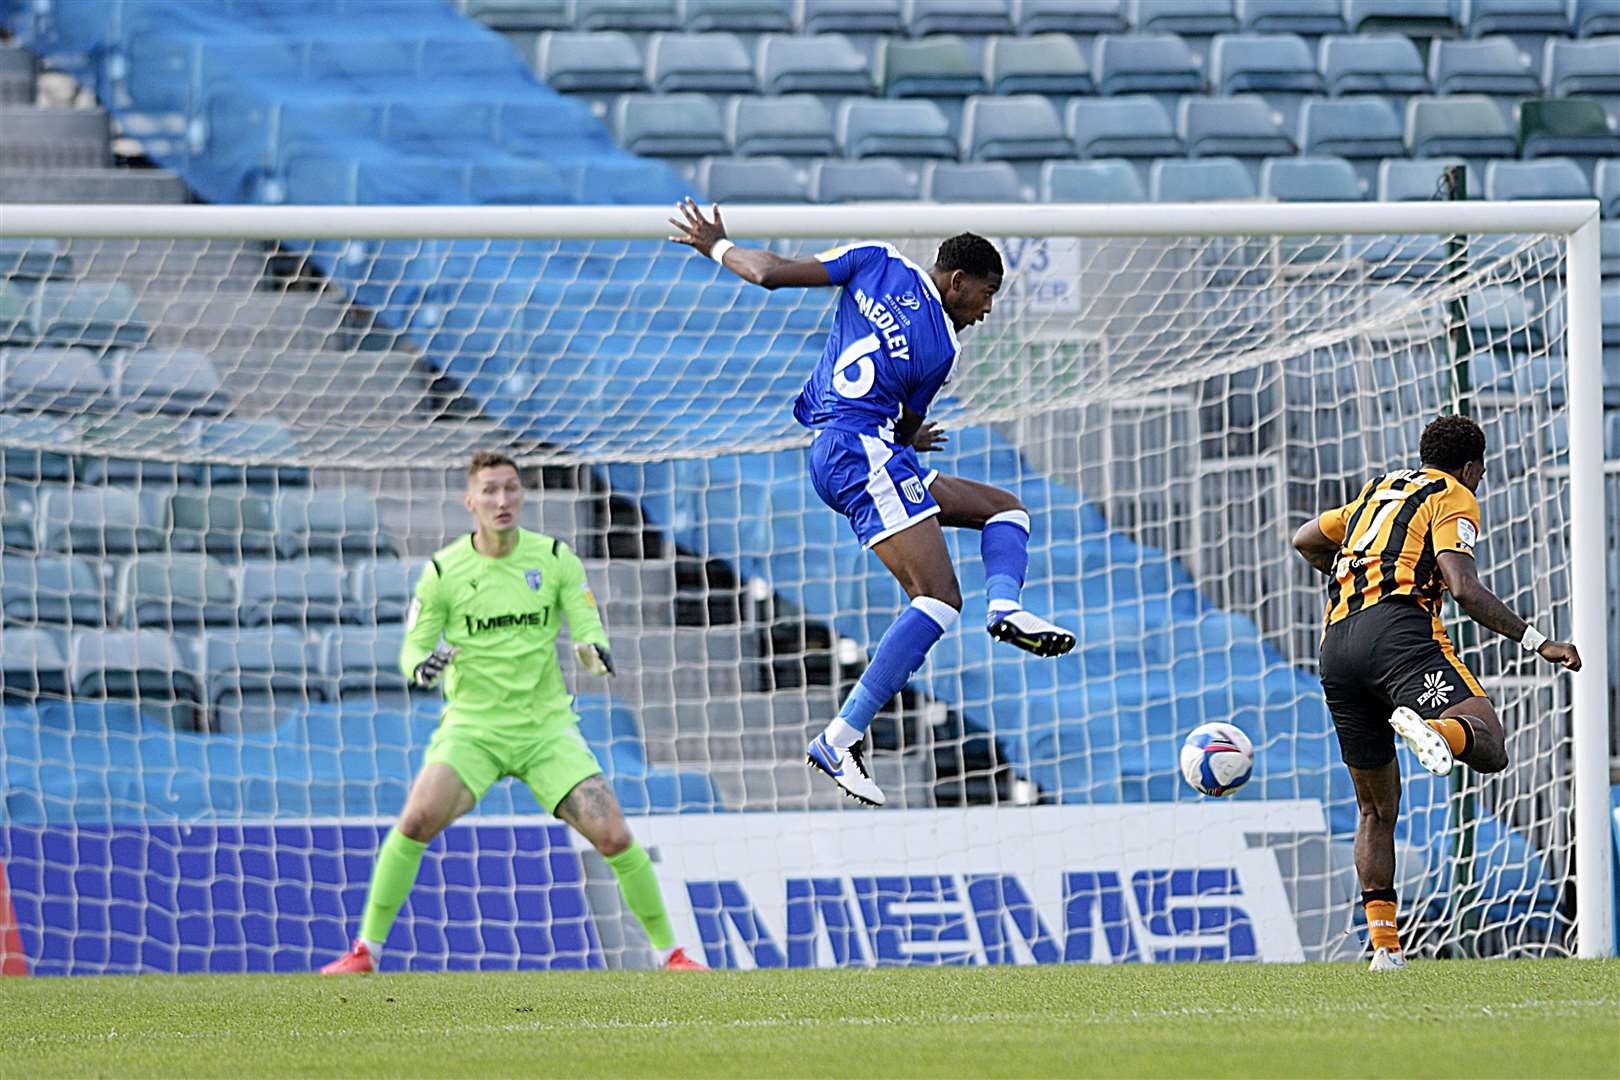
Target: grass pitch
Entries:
(1474, 1019)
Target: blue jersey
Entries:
(891, 345)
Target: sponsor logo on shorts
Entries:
(533, 578)
(1436, 691)
(913, 488)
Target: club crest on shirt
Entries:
(533, 578)
(913, 488)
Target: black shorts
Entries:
(1390, 654)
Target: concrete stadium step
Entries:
(202, 319)
(42, 139)
(164, 267)
(94, 185)
(311, 387)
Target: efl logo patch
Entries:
(533, 578)
(913, 488)
(1436, 691)
(1466, 533)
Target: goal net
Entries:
(231, 444)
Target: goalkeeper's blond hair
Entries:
(487, 459)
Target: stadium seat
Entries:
(1566, 126)
(1290, 16)
(230, 523)
(176, 381)
(936, 67)
(259, 439)
(1569, 68)
(364, 662)
(380, 590)
(1129, 127)
(1468, 125)
(1260, 63)
(329, 523)
(518, 15)
(869, 180)
(1358, 127)
(1144, 64)
(1018, 127)
(702, 63)
(602, 62)
(625, 15)
(1482, 17)
(175, 592)
(977, 181)
(925, 17)
(90, 313)
(121, 442)
(737, 16)
(1490, 66)
(1415, 181)
(1590, 18)
(1609, 250)
(24, 258)
(826, 64)
(1205, 180)
(62, 380)
(1069, 17)
(1606, 185)
(1319, 179)
(1371, 64)
(850, 16)
(95, 521)
(1183, 17)
(1236, 127)
(143, 666)
(794, 124)
(669, 125)
(1412, 18)
(300, 592)
(51, 589)
(33, 664)
(21, 461)
(1044, 64)
(1554, 178)
(1111, 181)
(751, 180)
(16, 515)
(894, 129)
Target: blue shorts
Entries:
(879, 486)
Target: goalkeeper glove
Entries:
(432, 666)
(594, 659)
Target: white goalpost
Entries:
(230, 436)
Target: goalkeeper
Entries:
(495, 596)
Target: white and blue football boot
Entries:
(1384, 960)
(847, 770)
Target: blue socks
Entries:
(1004, 546)
(898, 656)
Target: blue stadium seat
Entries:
(1144, 64)
(1609, 249)
(1556, 127)
(20, 461)
(33, 664)
(826, 64)
(925, 17)
(751, 180)
(179, 381)
(1236, 126)
(95, 521)
(1358, 127)
(1204, 180)
(1021, 126)
(329, 523)
(1580, 67)
(1243, 63)
(61, 380)
(1291, 16)
(1467, 125)
(703, 63)
(139, 665)
(518, 15)
(1481, 17)
(31, 258)
(363, 662)
(1552, 178)
(90, 313)
(1606, 185)
(1415, 181)
(1184, 17)
(669, 125)
(737, 16)
(850, 16)
(380, 590)
(941, 67)
(977, 181)
(261, 438)
(868, 180)
(51, 589)
(256, 676)
(1371, 64)
(231, 523)
(1044, 64)
(1109, 181)
(625, 15)
(1320, 179)
(1130, 127)
(1069, 16)
(793, 124)
(1413, 18)
(1590, 18)
(175, 592)
(1489, 66)
(300, 592)
(894, 129)
(603, 62)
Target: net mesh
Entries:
(226, 461)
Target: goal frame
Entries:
(1574, 220)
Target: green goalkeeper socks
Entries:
(391, 881)
(639, 883)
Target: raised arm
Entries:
(1482, 605)
(763, 268)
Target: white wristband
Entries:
(1532, 639)
(718, 252)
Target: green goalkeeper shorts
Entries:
(549, 754)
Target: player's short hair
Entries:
(487, 459)
(1451, 442)
(970, 253)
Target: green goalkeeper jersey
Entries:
(504, 615)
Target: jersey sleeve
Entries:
(1335, 523)
(577, 601)
(1456, 522)
(425, 620)
(845, 262)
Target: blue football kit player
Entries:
(892, 346)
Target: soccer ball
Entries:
(1217, 759)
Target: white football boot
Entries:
(847, 769)
(1384, 960)
(1032, 633)
(1430, 747)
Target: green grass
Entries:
(1474, 1019)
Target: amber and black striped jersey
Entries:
(1390, 537)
